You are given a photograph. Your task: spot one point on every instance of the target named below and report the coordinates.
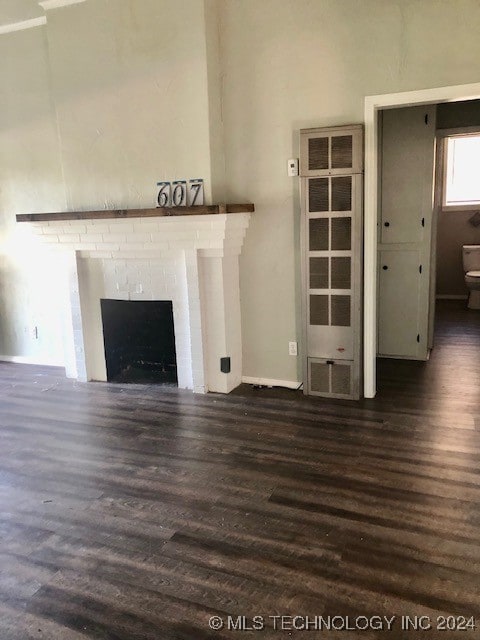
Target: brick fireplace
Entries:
(190, 260)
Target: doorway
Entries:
(373, 105)
(428, 208)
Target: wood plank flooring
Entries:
(137, 512)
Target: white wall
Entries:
(30, 180)
(153, 89)
(95, 108)
(290, 64)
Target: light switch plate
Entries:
(292, 167)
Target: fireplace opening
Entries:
(139, 341)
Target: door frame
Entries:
(374, 104)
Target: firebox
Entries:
(139, 340)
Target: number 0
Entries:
(178, 195)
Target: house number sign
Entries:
(180, 193)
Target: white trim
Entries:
(446, 296)
(45, 362)
(24, 24)
(56, 4)
(271, 382)
(373, 104)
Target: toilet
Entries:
(471, 267)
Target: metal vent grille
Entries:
(318, 234)
(342, 193)
(341, 234)
(318, 194)
(320, 377)
(317, 153)
(318, 273)
(341, 273)
(340, 311)
(341, 382)
(342, 152)
(318, 310)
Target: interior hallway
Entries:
(130, 511)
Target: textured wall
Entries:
(290, 64)
(112, 96)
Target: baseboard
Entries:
(271, 382)
(28, 360)
(445, 296)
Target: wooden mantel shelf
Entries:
(198, 210)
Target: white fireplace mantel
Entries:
(191, 260)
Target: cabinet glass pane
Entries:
(318, 234)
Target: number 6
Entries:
(163, 197)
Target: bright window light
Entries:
(462, 177)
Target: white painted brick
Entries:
(149, 226)
(97, 228)
(51, 239)
(118, 238)
(158, 246)
(121, 227)
(75, 227)
(133, 246)
(91, 237)
(57, 228)
(139, 236)
(107, 246)
(69, 238)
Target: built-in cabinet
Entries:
(405, 231)
(331, 165)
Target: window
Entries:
(461, 188)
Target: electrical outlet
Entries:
(292, 348)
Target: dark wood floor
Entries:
(133, 512)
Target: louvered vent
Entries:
(318, 234)
(317, 154)
(340, 311)
(318, 194)
(342, 152)
(341, 380)
(320, 377)
(330, 169)
(341, 273)
(318, 273)
(342, 193)
(319, 310)
(341, 234)
(331, 377)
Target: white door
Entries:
(399, 292)
(407, 168)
